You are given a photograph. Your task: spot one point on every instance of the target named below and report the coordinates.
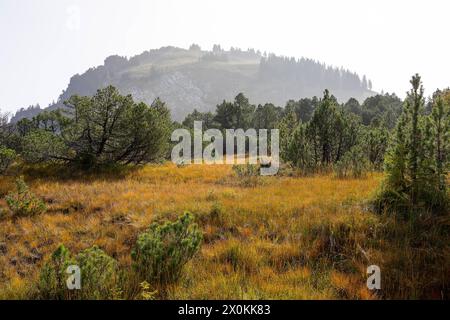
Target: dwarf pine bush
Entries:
(162, 251)
(23, 202)
(99, 131)
(52, 278)
(99, 274)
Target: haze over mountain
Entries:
(188, 79)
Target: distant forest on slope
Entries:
(197, 79)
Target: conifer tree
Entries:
(299, 151)
(322, 129)
(414, 106)
(415, 163)
(396, 157)
(287, 126)
(441, 121)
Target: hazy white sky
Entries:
(44, 42)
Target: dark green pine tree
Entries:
(415, 163)
(287, 126)
(440, 117)
(396, 157)
(323, 129)
(299, 151)
(415, 104)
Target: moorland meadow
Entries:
(284, 237)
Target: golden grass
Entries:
(286, 238)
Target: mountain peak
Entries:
(193, 78)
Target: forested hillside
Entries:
(188, 79)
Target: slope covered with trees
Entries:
(188, 79)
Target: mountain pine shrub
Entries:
(99, 274)
(23, 203)
(162, 251)
(52, 278)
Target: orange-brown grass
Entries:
(286, 238)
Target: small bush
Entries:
(7, 157)
(98, 274)
(162, 251)
(23, 203)
(52, 278)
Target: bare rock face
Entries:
(188, 79)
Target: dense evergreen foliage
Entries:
(163, 249)
(416, 163)
(353, 138)
(315, 133)
(98, 275)
(107, 128)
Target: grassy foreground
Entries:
(285, 238)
